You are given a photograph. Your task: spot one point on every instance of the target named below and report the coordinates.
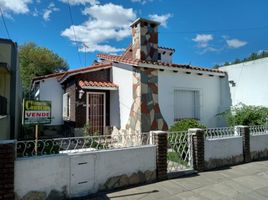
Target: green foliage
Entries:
(38, 61)
(246, 115)
(253, 56)
(86, 129)
(185, 124)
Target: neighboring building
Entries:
(10, 90)
(248, 82)
(141, 90)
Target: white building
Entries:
(141, 90)
(248, 82)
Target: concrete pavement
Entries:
(247, 181)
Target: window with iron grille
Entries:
(186, 104)
(3, 105)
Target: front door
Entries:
(96, 112)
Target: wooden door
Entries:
(96, 112)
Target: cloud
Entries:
(81, 2)
(141, 1)
(48, 11)
(105, 23)
(161, 18)
(15, 6)
(203, 40)
(235, 43)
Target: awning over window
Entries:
(98, 85)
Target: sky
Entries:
(203, 33)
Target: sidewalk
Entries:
(247, 181)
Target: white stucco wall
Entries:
(223, 148)
(93, 168)
(124, 161)
(251, 82)
(41, 174)
(259, 143)
(51, 90)
(122, 75)
(212, 101)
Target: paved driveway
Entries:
(247, 181)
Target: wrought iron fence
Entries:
(258, 130)
(220, 132)
(179, 156)
(28, 148)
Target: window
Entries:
(159, 56)
(3, 106)
(66, 106)
(186, 104)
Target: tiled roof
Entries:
(86, 69)
(105, 84)
(62, 75)
(121, 59)
(171, 49)
(136, 62)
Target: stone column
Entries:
(7, 160)
(160, 140)
(198, 148)
(245, 133)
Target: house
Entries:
(10, 90)
(140, 90)
(248, 82)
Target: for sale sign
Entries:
(36, 112)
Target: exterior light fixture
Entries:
(81, 92)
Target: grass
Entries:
(174, 157)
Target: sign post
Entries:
(36, 112)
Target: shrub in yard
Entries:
(178, 147)
(185, 124)
(246, 115)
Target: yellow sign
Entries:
(36, 112)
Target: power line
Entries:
(217, 31)
(75, 40)
(4, 22)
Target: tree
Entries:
(38, 61)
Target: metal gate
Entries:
(179, 154)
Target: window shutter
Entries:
(65, 105)
(186, 104)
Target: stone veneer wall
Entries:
(145, 41)
(145, 114)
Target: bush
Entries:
(185, 124)
(246, 115)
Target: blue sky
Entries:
(204, 33)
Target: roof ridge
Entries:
(94, 66)
(136, 62)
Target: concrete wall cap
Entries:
(241, 126)
(7, 141)
(158, 132)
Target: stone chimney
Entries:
(145, 39)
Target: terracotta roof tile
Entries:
(106, 84)
(121, 59)
(171, 49)
(61, 75)
(136, 62)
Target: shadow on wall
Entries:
(225, 100)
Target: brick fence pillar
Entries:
(7, 160)
(245, 133)
(198, 148)
(160, 140)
